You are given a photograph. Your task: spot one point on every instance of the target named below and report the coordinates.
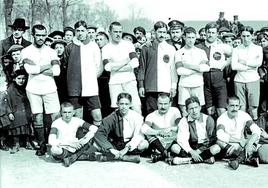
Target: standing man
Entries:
(191, 62)
(222, 22)
(157, 72)
(120, 59)
(246, 60)
(18, 29)
(176, 31)
(82, 60)
(42, 64)
(160, 128)
(214, 83)
(197, 133)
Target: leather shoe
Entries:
(233, 163)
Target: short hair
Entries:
(201, 30)
(103, 34)
(160, 24)
(80, 23)
(124, 95)
(68, 29)
(164, 94)
(247, 28)
(191, 100)
(39, 27)
(141, 29)
(211, 25)
(66, 104)
(233, 97)
(189, 30)
(114, 23)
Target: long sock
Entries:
(206, 154)
(40, 133)
(157, 145)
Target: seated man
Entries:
(62, 138)
(160, 128)
(263, 143)
(197, 134)
(119, 133)
(231, 128)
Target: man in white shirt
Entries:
(120, 59)
(160, 128)
(42, 64)
(197, 134)
(191, 62)
(245, 60)
(63, 136)
(232, 129)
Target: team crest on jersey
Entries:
(166, 58)
(217, 56)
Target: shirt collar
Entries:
(15, 40)
(190, 119)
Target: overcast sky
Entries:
(194, 9)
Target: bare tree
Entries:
(64, 5)
(8, 6)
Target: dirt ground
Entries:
(26, 170)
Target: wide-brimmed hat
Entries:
(19, 23)
(54, 33)
(134, 39)
(58, 41)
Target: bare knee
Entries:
(215, 149)
(143, 145)
(175, 148)
(55, 150)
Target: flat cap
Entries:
(14, 47)
(175, 24)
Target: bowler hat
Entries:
(19, 23)
(174, 24)
(14, 48)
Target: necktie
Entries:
(17, 41)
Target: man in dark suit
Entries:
(18, 29)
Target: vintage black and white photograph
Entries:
(133, 94)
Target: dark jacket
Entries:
(4, 109)
(19, 105)
(110, 133)
(8, 42)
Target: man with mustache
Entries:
(157, 72)
(18, 29)
(238, 135)
(160, 128)
(42, 64)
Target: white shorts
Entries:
(50, 101)
(186, 92)
(128, 87)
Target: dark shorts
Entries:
(215, 89)
(64, 154)
(91, 103)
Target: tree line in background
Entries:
(57, 14)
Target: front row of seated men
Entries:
(123, 135)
